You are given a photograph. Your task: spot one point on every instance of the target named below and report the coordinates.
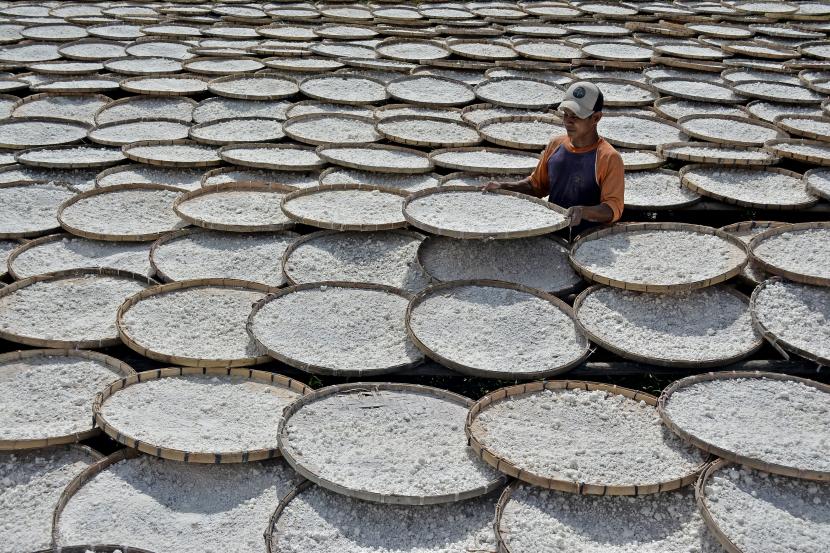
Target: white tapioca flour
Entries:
(389, 442)
(178, 177)
(768, 111)
(820, 150)
(341, 330)
(647, 133)
(774, 421)
(525, 134)
(30, 208)
(348, 207)
(332, 129)
(146, 106)
(677, 108)
(690, 327)
(6, 248)
(256, 86)
(429, 131)
(410, 183)
(718, 153)
(432, 90)
(162, 505)
(413, 50)
(659, 257)
(750, 185)
(474, 211)
(518, 92)
(80, 154)
(645, 189)
(779, 91)
(78, 107)
(238, 130)
(202, 414)
(699, 89)
(765, 512)
(546, 521)
(67, 309)
(290, 157)
(385, 257)
(199, 322)
(71, 252)
(180, 153)
(50, 395)
(634, 158)
(487, 160)
(125, 132)
(223, 108)
(26, 133)
(319, 521)
(807, 126)
(294, 179)
(378, 159)
(585, 436)
(498, 330)
(208, 254)
(310, 107)
(127, 212)
(490, 111)
(340, 89)
(168, 84)
(730, 130)
(818, 181)
(30, 486)
(237, 207)
(805, 251)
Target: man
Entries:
(579, 170)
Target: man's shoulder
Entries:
(606, 150)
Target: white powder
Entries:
(50, 396)
(406, 442)
(796, 313)
(618, 51)
(678, 108)
(179, 153)
(261, 86)
(203, 414)
(781, 92)
(25, 133)
(145, 107)
(774, 421)
(282, 156)
(537, 262)
(294, 179)
(343, 89)
(136, 173)
(635, 158)
(385, 257)
(818, 182)
(143, 66)
(547, 50)
(487, 160)
(763, 512)
(379, 158)
(82, 179)
(225, 131)
(70, 252)
(497, 330)
(655, 189)
(199, 322)
(701, 90)
(585, 436)
(429, 131)
(420, 89)
(6, 248)
(31, 208)
(519, 93)
(311, 107)
(32, 483)
(79, 107)
(411, 50)
(627, 93)
(87, 155)
(476, 180)
(124, 132)
(204, 508)
(659, 257)
(410, 183)
(223, 66)
(67, 309)
(489, 111)
(546, 521)
(643, 133)
(319, 521)
(820, 150)
(332, 128)
(236, 207)
(224, 108)
(131, 212)
(805, 252)
(816, 126)
(768, 111)
(344, 330)
(754, 186)
(348, 207)
(534, 134)
(718, 152)
(490, 214)
(690, 327)
(179, 84)
(717, 129)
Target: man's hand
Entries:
(492, 185)
(575, 215)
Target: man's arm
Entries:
(600, 213)
(525, 186)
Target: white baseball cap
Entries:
(583, 99)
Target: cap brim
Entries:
(577, 110)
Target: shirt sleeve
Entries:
(539, 177)
(612, 183)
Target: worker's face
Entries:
(579, 127)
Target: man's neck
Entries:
(584, 141)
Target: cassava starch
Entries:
(348, 207)
(798, 314)
(805, 251)
(31, 208)
(754, 186)
(129, 212)
(236, 207)
(71, 252)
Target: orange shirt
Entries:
(609, 172)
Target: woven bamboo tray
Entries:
(197, 85)
(728, 455)
(775, 147)
(231, 186)
(781, 121)
(775, 270)
(286, 208)
(110, 189)
(32, 233)
(181, 126)
(425, 141)
(317, 369)
(662, 361)
(356, 119)
(20, 157)
(688, 183)
(635, 227)
(322, 98)
(212, 87)
(681, 63)
(296, 166)
(705, 513)
(480, 169)
(366, 495)
(737, 228)
(460, 100)
(518, 104)
(217, 457)
(170, 162)
(184, 284)
(638, 145)
(481, 373)
(693, 97)
(812, 188)
(47, 95)
(80, 126)
(666, 150)
(59, 275)
(96, 549)
(116, 365)
(322, 151)
(466, 235)
(583, 488)
(729, 142)
(739, 89)
(482, 129)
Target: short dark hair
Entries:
(600, 103)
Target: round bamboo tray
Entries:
(518, 103)
(459, 100)
(481, 168)
(653, 95)
(96, 549)
(317, 369)
(637, 227)
(356, 79)
(332, 225)
(813, 188)
(426, 141)
(20, 102)
(482, 373)
(366, 390)
(781, 121)
(734, 99)
(482, 129)
(729, 142)
(228, 187)
(467, 235)
(681, 63)
(728, 455)
(116, 365)
(740, 88)
(298, 165)
(708, 519)
(736, 229)
(688, 183)
(197, 84)
(779, 271)
(778, 147)
(81, 127)
(21, 158)
(656, 160)
(275, 131)
(345, 118)
(291, 90)
(60, 275)
(583, 488)
(667, 151)
(143, 237)
(185, 284)
(216, 457)
(427, 166)
(120, 141)
(662, 361)
(170, 161)
(641, 145)
(40, 231)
